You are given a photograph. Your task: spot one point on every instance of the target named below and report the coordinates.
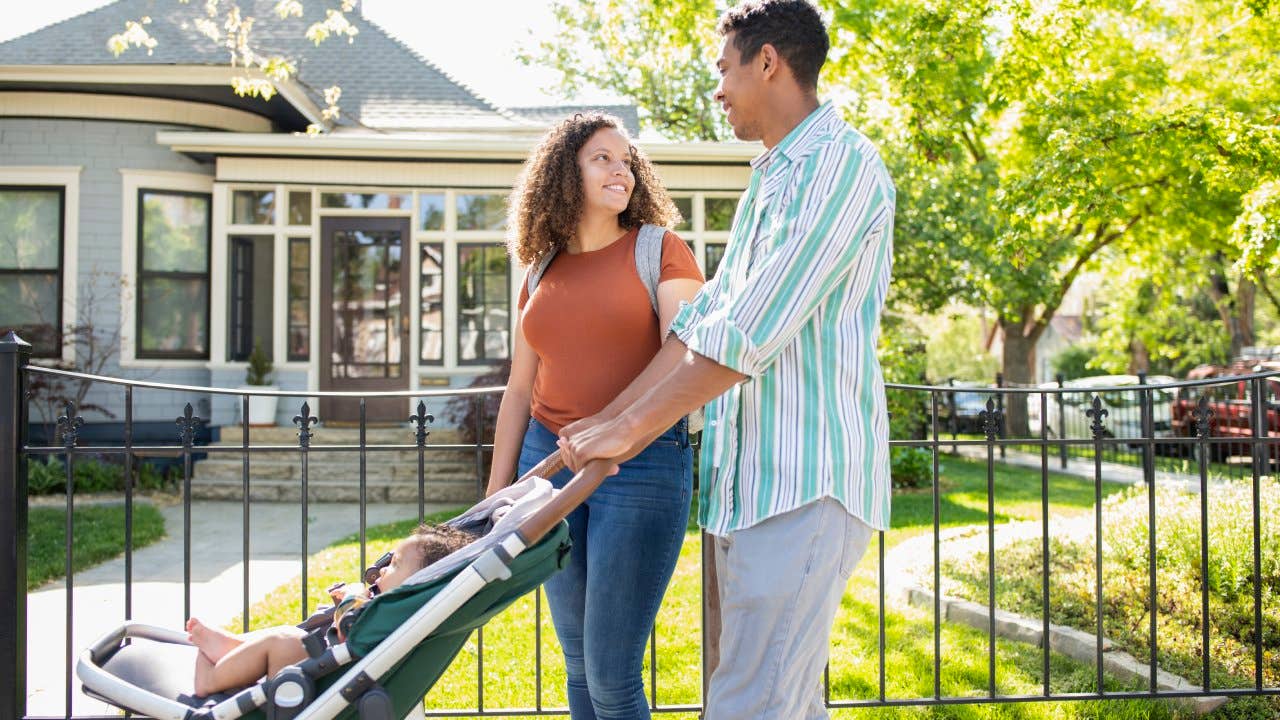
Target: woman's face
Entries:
(605, 164)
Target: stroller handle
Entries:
(570, 497)
(549, 466)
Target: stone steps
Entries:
(334, 475)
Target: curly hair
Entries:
(547, 202)
(437, 541)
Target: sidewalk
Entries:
(1080, 467)
(217, 574)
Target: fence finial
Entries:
(991, 418)
(187, 425)
(1097, 412)
(421, 420)
(304, 422)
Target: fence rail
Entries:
(991, 438)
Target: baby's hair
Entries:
(437, 541)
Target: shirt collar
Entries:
(801, 138)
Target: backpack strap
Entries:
(649, 259)
(537, 269)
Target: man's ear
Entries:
(768, 59)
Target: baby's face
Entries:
(405, 561)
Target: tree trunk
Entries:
(1236, 311)
(1140, 357)
(1019, 362)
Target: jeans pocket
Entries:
(857, 537)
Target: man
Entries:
(782, 344)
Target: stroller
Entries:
(401, 641)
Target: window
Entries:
(299, 298)
(486, 211)
(431, 307)
(484, 303)
(365, 201)
(711, 257)
(253, 207)
(300, 207)
(241, 311)
(173, 274)
(31, 237)
(685, 206)
(718, 213)
(431, 211)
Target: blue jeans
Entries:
(626, 540)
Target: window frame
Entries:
(59, 350)
(458, 246)
(143, 275)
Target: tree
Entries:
(1030, 142)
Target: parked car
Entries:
(959, 411)
(1069, 409)
(1232, 407)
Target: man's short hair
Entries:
(793, 27)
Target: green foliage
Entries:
(97, 535)
(904, 360)
(911, 467)
(90, 476)
(954, 345)
(259, 369)
(659, 55)
(1073, 361)
(1126, 591)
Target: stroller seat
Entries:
(399, 645)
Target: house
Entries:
(140, 193)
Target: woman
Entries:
(585, 332)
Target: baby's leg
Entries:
(264, 654)
(213, 642)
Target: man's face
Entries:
(740, 92)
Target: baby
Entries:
(228, 661)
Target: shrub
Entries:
(904, 360)
(49, 477)
(911, 467)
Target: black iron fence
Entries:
(930, 515)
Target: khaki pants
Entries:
(780, 585)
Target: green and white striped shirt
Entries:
(795, 306)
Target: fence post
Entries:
(1148, 431)
(14, 356)
(1062, 420)
(951, 419)
(1000, 406)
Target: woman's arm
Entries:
(513, 413)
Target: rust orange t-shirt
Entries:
(592, 326)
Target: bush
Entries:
(904, 360)
(1126, 592)
(49, 477)
(911, 467)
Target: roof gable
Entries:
(385, 85)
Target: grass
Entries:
(511, 640)
(97, 536)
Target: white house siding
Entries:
(103, 148)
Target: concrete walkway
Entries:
(1084, 467)
(217, 575)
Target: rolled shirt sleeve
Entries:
(836, 228)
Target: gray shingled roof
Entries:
(548, 114)
(398, 90)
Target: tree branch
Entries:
(1261, 281)
(1101, 239)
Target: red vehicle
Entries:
(1232, 407)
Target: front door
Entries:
(364, 316)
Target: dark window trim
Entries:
(240, 300)
(457, 329)
(143, 275)
(421, 330)
(59, 272)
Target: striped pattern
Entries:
(796, 307)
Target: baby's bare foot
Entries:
(213, 643)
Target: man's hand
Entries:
(610, 440)
(580, 426)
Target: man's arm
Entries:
(692, 382)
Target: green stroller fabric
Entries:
(418, 671)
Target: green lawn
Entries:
(510, 644)
(97, 536)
